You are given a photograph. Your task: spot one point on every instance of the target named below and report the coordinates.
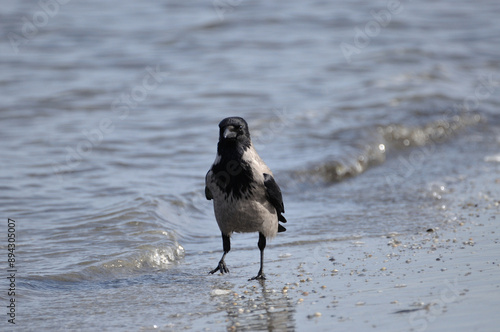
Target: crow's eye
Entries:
(240, 127)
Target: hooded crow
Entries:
(246, 197)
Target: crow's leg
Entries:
(226, 245)
(262, 246)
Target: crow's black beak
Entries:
(230, 132)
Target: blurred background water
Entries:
(108, 124)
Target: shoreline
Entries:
(442, 278)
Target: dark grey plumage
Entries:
(246, 196)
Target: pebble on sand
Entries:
(217, 292)
(316, 314)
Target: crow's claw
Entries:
(221, 267)
(260, 276)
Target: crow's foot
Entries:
(221, 267)
(259, 276)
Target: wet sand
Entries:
(444, 278)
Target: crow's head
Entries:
(234, 129)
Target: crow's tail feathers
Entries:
(281, 219)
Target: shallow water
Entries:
(108, 124)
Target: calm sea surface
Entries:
(108, 125)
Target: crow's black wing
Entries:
(208, 193)
(273, 194)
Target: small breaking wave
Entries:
(381, 142)
(131, 238)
